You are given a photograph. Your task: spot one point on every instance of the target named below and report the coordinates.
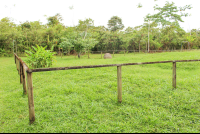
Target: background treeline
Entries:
(161, 30)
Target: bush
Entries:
(39, 57)
(4, 53)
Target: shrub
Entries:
(4, 53)
(39, 57)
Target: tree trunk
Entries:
(86, 32)
(79, 55)
(139, 47)
(88, 53)
(59, 51)
(74, 52)
(68, 51)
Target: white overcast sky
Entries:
(98, 10)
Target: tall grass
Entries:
(85, 100)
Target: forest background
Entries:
(160, 31)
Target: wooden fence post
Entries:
(15, 59)
(119, 84)
(174, 75)
(30, 98)
(20, 72)
(17, 65)
(24, 79)
(16, 62)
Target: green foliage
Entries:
(122, 52)
(39, 57)
(79, 44)
(115, 23)
(139, 5)
(190, 38)
(168, 13)
(85, 24)
(54, 20)
(90, 43)
(66, 44)
(4, 53)
(85, 36)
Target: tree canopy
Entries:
(115, 23)
(86, 37)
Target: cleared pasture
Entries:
(85, 100)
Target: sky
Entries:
(98, 10)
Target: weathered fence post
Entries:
(17, 65)
(30, 98)
(174, 75)
(24, 79)
(20, 72)
(16, 62)
(119, 84)
(15, 58)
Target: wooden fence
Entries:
(22, 68)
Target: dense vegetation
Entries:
(161, 30)
(85, 100)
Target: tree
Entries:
(89, 43)
(25, 25)
(190, 39)
(8, 32)
(79, 45)
(126, 41)
(85, 25)
(168, 13)
(115, 24)
(98, 33)
(171, 36)
(54, 20)
(66, 44)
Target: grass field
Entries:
(85, 100)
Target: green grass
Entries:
(85, 100)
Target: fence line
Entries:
(127, 51)
(113, 51)
(22, 68)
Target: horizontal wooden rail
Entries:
(108, 65)
(22, 62)
(22, 68)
